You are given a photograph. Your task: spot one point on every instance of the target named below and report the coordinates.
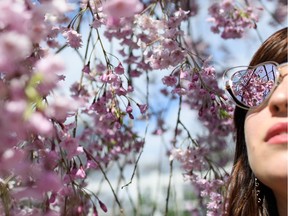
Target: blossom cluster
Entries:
(160, 40)
(194, 163)
(231, 19)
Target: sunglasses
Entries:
(250, 86)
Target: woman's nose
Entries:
(278, 102)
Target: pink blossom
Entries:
(86, 68)
(49, 66)
(13, 160)
(14, 16)
(179, 91)
(73, 38)
(101, 67)
(122, 8)
(119, 69)
(27, 193)
(48, 69)
(50, 159)
(143, 108)
(56, 7)
(60, 107)
(177, 56)
(230, 20)
(48, 181)
(52, 198)
(103, 206)
(185, 75)
(91, 164)
(109, 78)
(70, 146)
(169, 44)
(169, 80)
(130, 115)
(191, 159)
(215, 201)
(97, 23)
(16, 107)
(40, 125)
(100, 106)
(130, 89)
(80, 173)
(178, 17)
(111, 21)
(14, 48)
(135, 73)
(129, 109)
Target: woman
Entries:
(258, 183)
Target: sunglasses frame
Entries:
(228, 82)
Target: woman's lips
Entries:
(277, 134)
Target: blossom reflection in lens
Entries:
(250, 86)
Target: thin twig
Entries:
(134, 171)
(106, 178)
(171, 161)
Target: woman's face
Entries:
(266, 138)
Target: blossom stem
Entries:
(106, 178)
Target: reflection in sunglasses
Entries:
(250, 86)
(254, 85)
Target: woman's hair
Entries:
(241, 199)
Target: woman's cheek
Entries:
(250, 129)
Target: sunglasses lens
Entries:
(251, 86)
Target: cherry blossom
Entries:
(14, 47)
(232, 19)
(170, 80)
(122, 8)
(73, 38)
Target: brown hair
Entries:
(241, 199)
